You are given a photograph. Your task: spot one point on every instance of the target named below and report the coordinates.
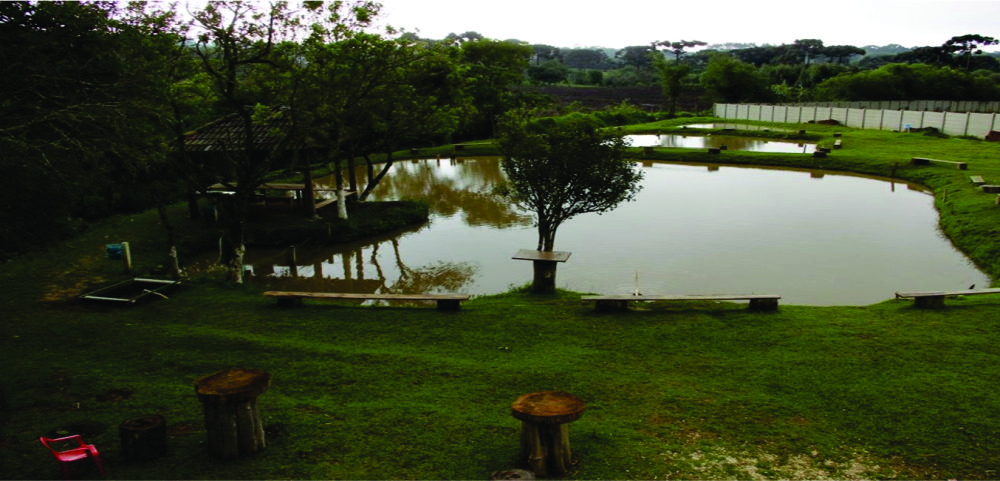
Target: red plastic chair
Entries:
(83, 451)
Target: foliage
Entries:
(908, 82)
(491, 67)
(565, 170)
(622, 114)
(368, 219)
(549, 72)
(728, 80)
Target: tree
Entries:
(637, 56)
(677, 48)
(492, 67)
(562, 171)
(549, 72)
(75, 127)
(672, 74)
(728, 80)
(586, 58)
(968, 45)
(841, 54)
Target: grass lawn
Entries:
(678, 390)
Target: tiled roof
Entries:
(229, 133)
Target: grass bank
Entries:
(688, 390)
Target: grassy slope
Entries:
(679, 391)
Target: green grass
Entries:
(675, 390)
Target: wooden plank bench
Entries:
(977, 179)
(927, 161)
(838, 144)
(445, 302)
(933, 299)
(758, 302)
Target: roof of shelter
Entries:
(228, 133)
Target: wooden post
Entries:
(143, 438)
(127, 257)
(545, 418)
(229, 399)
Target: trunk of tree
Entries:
(308, 194)
(352, 175)
(175, 265)
(341, 198)
(373, 180)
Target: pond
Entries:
(730, 142)
(813, 237)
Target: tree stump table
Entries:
(545, 263)
(545, 418)
(143, 438)
(229, 399)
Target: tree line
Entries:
(803, 70)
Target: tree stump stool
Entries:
(143, 438)
(229, 399)
(545, 418)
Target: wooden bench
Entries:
(977, 179)
(926, 161)
(933, 299)
(445, 302)
(837, 144)
(758, 302)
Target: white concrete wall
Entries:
(949, 122)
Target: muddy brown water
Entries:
(813, 237)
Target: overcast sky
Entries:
(620, 23)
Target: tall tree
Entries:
(563, 171)
(968, 45)
(672, 74)
(491, 68)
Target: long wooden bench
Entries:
(758, 302)
(927, 161)
(445, 302)
(933, 299)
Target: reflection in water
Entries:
(730, 142)
(452, 186)
(813, 237)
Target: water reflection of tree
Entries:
(345, 271)
(437, 277)
(468, 191)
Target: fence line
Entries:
(952, 123)
(918, 105)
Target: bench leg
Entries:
(289, 301)
(604, 306)
(763, 304)
(448, 304)
(928, 302)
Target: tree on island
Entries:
(560, 171)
